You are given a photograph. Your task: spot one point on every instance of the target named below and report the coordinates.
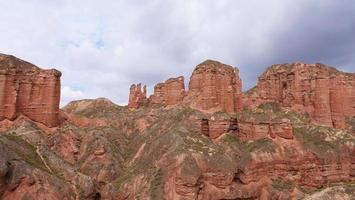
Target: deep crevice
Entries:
(97, 196)
(205, 127)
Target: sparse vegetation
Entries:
(322, 140)
(156, 185)
(281, 184)
(272, 106)
(351, 122)
(24, 150)
(260, 145)
(231, 139)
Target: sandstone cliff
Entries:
(171, 92)
(28, 90)
(325, 93)
(176, 148)
(216, 85)
(213, 87)
(137, 97)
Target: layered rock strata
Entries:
(171, 92)
(137, 96)
(213, 87)
(253, 130)
(325, 93)
(28, 90)
(216, 85)
(215, 127)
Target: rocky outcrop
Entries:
(28, 90)
(323, 92)
(216, 86)
(213, 87)
(171, 92)
(168, 150)
(213, 127)
(253, 130)
(137, 97)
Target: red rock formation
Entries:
(300, 167)
(171, 92)
(325, 93)
(28, 90)
(213, 87)
(257, 130)
(214, 126)
(137, 97)
(216, 86)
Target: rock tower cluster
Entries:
(213, 86)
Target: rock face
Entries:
(137, 97)
(216, 85)
(169, 150)
(250, 131)
(214, 126)
(28, 90)
(325, 93)
(171, 92)
(213, 87)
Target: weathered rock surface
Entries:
(213, 87)
(325, 93)
(182, 149)
(137, 96)
(171, 92)
(28, 90)
(252, 130)
(216, 86)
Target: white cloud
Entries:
(68, 94)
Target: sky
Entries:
(103, 46)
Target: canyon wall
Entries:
(254, 130)
(213, 87)
(323, 92)
(171, 92)
(216, 85)
(28, 90)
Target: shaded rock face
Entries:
(213, 87)
(137, 96)
(171, 92)
(214, 127)
(325, 93)
(216, 85)
(28, 90)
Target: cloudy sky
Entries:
(102, 46)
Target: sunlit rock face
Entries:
(323, 92)
(213, 87)
(171, 92)
(28, 90)
(216, 86)
(137, 96)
